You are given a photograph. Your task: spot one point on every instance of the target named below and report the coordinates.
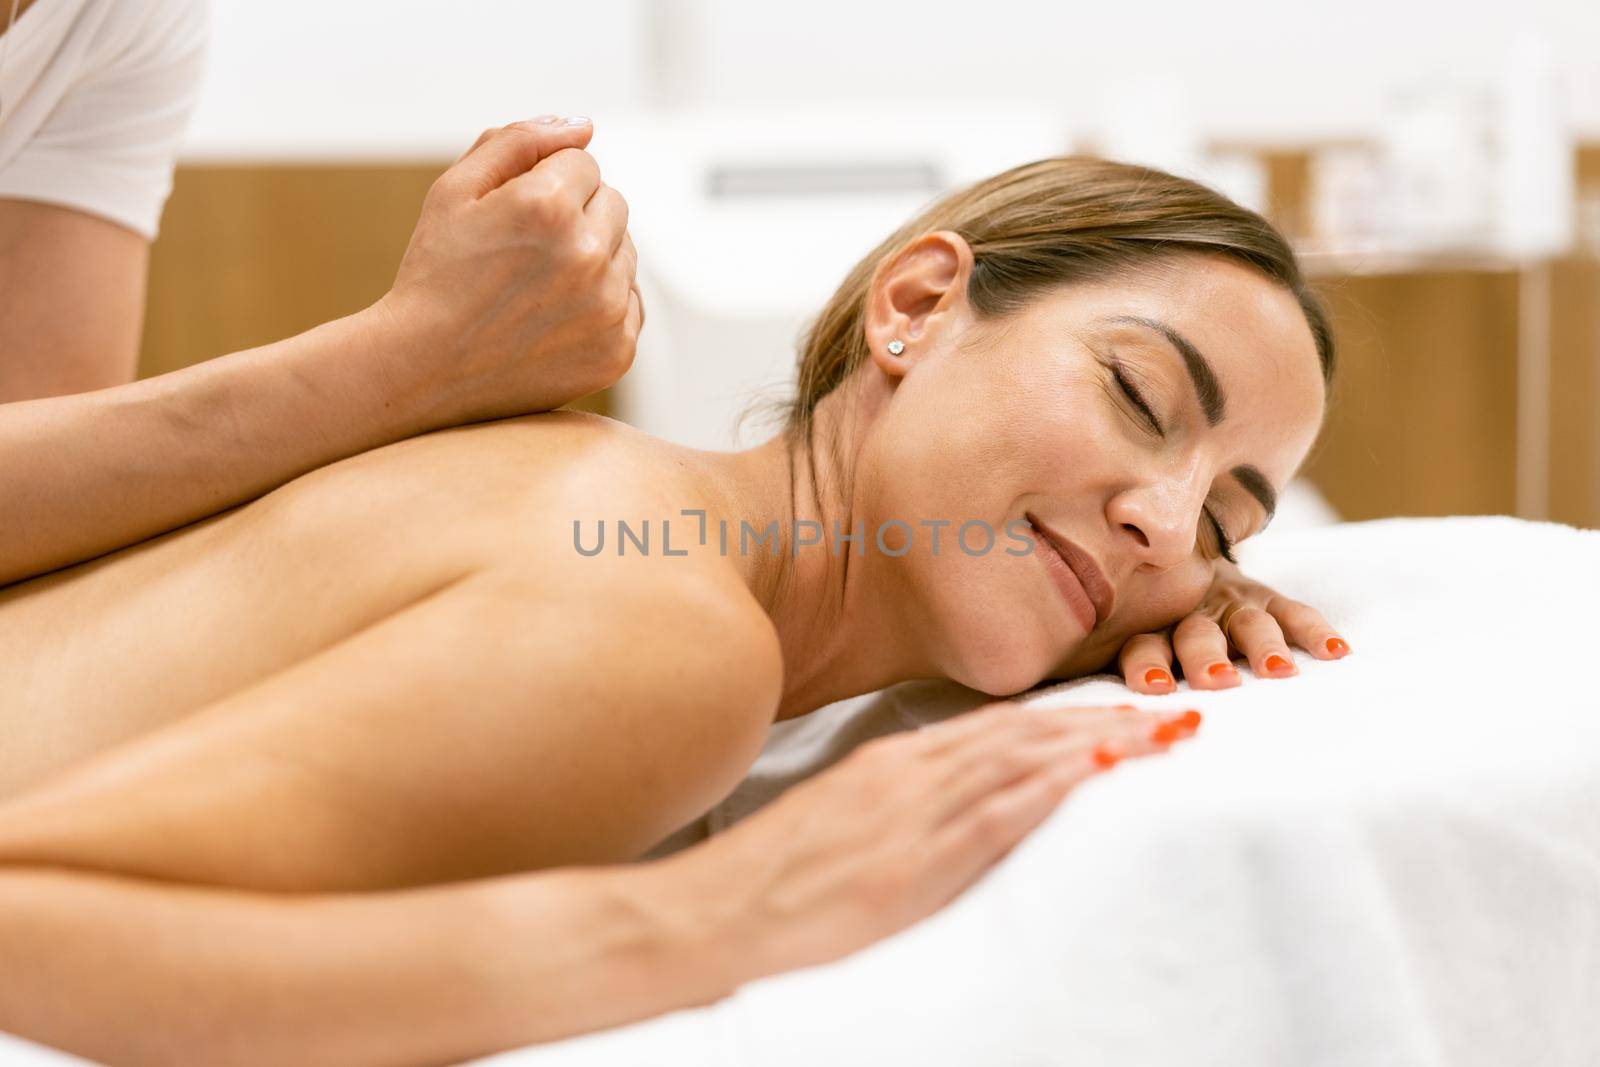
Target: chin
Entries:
(997, 633)
(1003, 660)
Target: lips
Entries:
(1101, 596)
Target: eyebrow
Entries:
(1213, 402)
(1206, 387)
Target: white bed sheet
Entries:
(1391, 859)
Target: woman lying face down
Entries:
(401, 669)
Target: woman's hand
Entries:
(893, 832)
(517, 291)
(1237, 613)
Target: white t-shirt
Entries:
(94, 97)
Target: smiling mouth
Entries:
(1076, 574)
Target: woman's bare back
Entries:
(234, 610)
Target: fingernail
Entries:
(1337, 646)
(1177, 727)
(1155, 676)
(1223, 671)
(1105, 756)
(576, 120)
(1276, 662)
(1126, 707)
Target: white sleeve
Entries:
(109, 145)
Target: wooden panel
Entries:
(252, 254)
(1423, 418)
(1586, 161)
(1575, 391)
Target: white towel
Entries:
(1392, 858)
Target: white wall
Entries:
(323, 78)
(403, 77)
(679, 86)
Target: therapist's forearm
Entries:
(85, 474)
(126, 971)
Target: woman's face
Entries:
(1023, 418)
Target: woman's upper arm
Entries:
(497, 725)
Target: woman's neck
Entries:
(837, 620)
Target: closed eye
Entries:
(1136, 397)
(1226, 546)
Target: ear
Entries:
(913, 295)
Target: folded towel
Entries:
(1393, 858)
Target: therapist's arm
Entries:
(515, 295)
(71, 300)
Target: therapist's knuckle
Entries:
(442, 189)
(590, 254)
(615, 296)
(544, 211)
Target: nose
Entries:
(1161, 519)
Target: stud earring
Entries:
(896, 347)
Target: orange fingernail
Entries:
(1176, 728)
(1276, 662)
(1337, 646)
(1220, 667)
(1105, 756)
(1125, 707)
(1155, 676)
(1167, 732)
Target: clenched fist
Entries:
(517, 291)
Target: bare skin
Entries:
(397, 671)
(72, 300)
(391, 661)
(516, 294)
(387, 661)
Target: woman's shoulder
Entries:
(588, 468)
(609, 529)
(549, 463)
